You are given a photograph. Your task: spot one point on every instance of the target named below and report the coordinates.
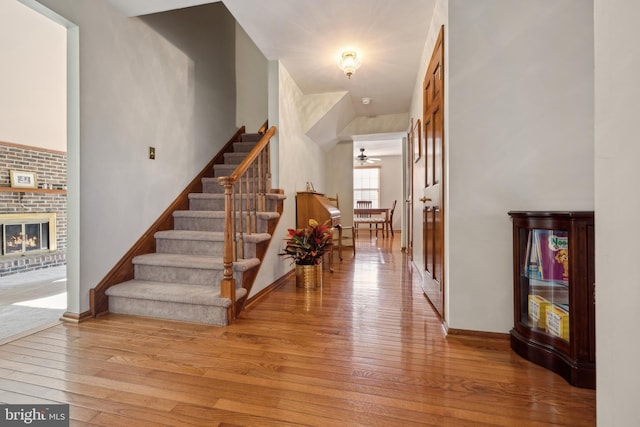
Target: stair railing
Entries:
(245, 193)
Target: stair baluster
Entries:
(228, 284)
(239, 237)
(256, 181)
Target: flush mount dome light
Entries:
(349, 62)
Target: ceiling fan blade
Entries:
(363, 158)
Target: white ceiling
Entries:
(307, 36)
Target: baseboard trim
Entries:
(75, 317)
(267, 290)
(478, 334)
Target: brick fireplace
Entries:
(33, 222)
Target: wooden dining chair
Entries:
(362, 204)
(390, 222)
(345, 237)
(377, 220)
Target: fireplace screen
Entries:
(28, 235)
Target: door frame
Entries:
(408, 193)
(74, 302)
(433, 189)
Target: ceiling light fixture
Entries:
(349, 62)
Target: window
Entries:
(366, 185)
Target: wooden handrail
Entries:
(251, 157)
(244, 196)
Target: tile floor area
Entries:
(31, 301)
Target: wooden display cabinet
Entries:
(554, 301)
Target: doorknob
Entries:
(425, 199)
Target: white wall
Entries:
(140, 88)
(391, 186)
(299, 159)
(518, 136)
(617, 60)
(339, 176)
(33, 104)
(251, 83)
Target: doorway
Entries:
(49, 290)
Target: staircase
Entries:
(181, 280)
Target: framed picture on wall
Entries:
(410, 137)
(417, 141)
(21, 179)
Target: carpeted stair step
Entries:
(234, 158)
(214, 220)
(215, 201)
(187, 269)
(211, 185)
(194, 303)
(251, 137)
(223, 170)
(243, 147)
(207, 243)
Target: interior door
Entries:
(433, 192)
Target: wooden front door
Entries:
(433, 192)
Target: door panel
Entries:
(433, 191)
(428, 139)
(428, 229)
(438, 123)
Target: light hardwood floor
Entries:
(366, 349)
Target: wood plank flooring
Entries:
(365, 350)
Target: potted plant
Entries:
(306, 248)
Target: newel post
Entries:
(228, 284)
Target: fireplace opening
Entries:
(27, 233)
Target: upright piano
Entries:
(315, 205)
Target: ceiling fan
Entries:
(363, 158)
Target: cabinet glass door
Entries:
(544, 280)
